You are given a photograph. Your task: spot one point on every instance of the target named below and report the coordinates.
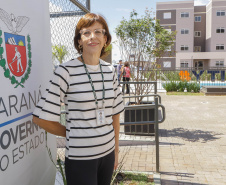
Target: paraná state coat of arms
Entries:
(15, 53)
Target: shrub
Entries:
(182, 85)
(170, 86)
(174, 86)
(195, 87)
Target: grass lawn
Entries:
(133, 179)
(185, 93)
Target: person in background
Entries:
(89, 88)
(119, 72)
(126, 77)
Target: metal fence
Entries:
(64, 16)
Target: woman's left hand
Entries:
(116, 161)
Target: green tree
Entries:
(59, 52)
(108, 49)
(141, 41)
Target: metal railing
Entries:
(213, 76)
(146, 120)
(145, 106)
(150, 87)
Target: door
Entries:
(199, 65)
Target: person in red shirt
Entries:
(126, 77)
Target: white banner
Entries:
(25, 69)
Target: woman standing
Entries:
(126, 77)
(89, 88)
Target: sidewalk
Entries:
(192, 142)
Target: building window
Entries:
(167, 64)
(184, 31)
(167, 15)
(184, 14)
(197, 18)
(221, 13)
(184, 64)
(219, 63)
(184, 48)
(197, 48)
(197, 33)
(220, 47)
(220, 30)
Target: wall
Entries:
(24, 159)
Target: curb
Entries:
(157, 178)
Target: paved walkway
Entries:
(192, 142)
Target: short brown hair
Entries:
(126, 64)
(88, 20)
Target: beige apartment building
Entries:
(201, 34)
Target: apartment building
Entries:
(201, 34)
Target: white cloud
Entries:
(122, 10)
(201, 2)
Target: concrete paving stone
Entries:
(219, 180)
(202, 179)
(190, 146)
(129, 157)
(212, 183)
(216, 175)
(222, 172)
(191, 171)
(210, 178)
(149, 169)
(142, 156)
(141, 168)
(219, 183)
(141, 164)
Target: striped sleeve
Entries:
(49, 105)
(118, 106)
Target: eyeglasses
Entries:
(97, 33)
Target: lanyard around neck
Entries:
(91, 83)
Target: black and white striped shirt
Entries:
(85, 139)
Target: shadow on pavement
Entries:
(178, 182)
(173, 182)
(190, 135)
(191, 175)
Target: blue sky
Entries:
(115, 10)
